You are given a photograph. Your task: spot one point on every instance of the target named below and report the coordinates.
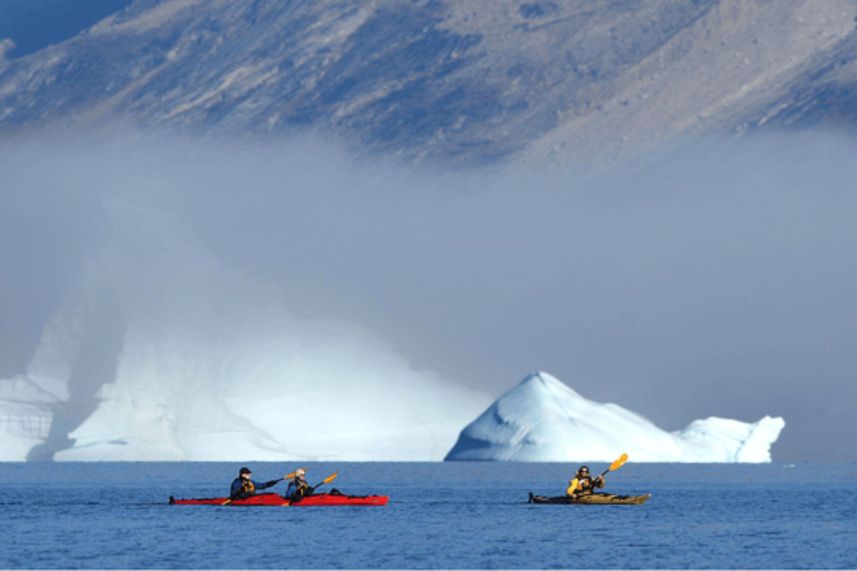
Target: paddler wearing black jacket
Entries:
(299, 487)
(583, 484)
(243, 486)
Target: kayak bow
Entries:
(278, 500)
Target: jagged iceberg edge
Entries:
(161, 352)
(543, 420)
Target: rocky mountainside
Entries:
(464, 82)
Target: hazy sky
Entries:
(715, 280)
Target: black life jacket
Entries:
(585, 483)
(301, 487)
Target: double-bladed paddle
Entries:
(617, 463)
(312, 489)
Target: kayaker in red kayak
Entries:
(299, 487)
(243, 486)
(583, 484)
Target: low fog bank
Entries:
(716, 280)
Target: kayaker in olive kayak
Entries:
(299, 487)
(583, 484)
(243, 486)
(581, 489)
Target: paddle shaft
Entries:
(617, 463)
(232, 499)
(327, 480)
(312, 489)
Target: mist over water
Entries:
(714, 280)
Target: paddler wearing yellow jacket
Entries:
(583, 484)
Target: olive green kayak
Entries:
(592, 499)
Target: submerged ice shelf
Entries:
(543, 420)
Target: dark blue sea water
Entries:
(458, 515)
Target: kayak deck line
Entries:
(591, 499)
(277, 500)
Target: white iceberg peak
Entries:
(547, 382)
(544, 420)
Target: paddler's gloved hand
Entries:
(309, 490)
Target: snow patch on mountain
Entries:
(543, 420)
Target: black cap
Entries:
(244, 470)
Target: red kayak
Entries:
(278, 500)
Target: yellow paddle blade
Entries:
(619, 462)
(330, 478)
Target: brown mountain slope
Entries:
(458, 81)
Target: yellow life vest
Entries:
(573, 485)
(248, 488)
(580, 486)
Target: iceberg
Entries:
(543, 420)
(162, 352)
(26, 414)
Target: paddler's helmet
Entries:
(244, 470)
(300, 472)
